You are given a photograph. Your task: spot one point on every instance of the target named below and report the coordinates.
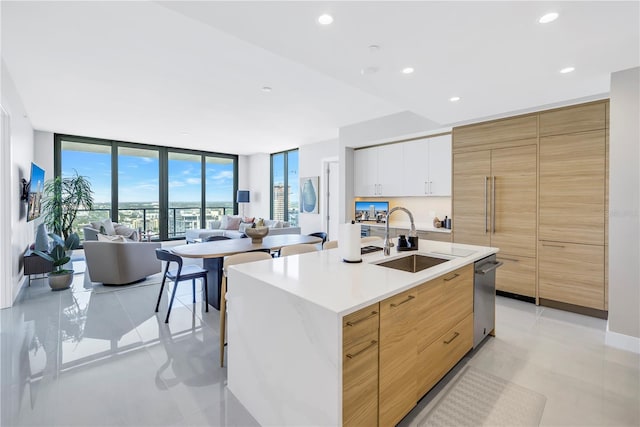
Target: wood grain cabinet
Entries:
(360, 367)
(397, 389)
(441, 305)
(494, 204)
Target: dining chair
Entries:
(320, 234)
(214, 238)
(331, 244)
(298, 249)
(229, 261)
(188, 272)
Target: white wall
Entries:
(43, 151)
(624, 203)
(259, 184)
(15, 167)
(310, 163)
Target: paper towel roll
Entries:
(349, 242)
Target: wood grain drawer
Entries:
(438, 358)
(360, 382)
(516, 275)
(573, 119)
(357, 325)
(442, 303)
(572, 273)
(511, 129)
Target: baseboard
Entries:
(622, 341)
(516, 296)
(587, 311)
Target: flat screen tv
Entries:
(371, 211)
(34, 192)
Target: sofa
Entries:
(233, 227)
(111, 229)
(118, 263)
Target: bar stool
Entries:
(229, 261)
(370, 239)
(192, 272)
(331, 244)
(298, 249)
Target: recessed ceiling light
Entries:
(325, 19)
(184, 133)
(407, 70)
(567, 70)
(454, 98)
(266, 89)
(549, 17)
(374, 48)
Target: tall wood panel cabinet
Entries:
(536, 187)
(572, 217)
(495, 197)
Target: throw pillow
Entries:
(233, 223)
(244, 226)
(102, 230)
(108, 227)
(269, 223)
(111, 239)
(248, 220)
(123, 230)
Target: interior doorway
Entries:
(332, 197)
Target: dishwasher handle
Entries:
(488, 267)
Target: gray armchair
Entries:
(115, 263)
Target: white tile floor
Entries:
(79, 357)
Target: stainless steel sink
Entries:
(413, 263)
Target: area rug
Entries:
(477, 398)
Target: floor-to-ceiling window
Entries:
(285, 186)
(139, 188)
(92, 160)
(160, 190)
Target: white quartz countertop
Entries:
(399, 224)
(323, 279)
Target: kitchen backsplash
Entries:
(422, 208)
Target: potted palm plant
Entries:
(60, 278)
(64, 197)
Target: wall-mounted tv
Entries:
(371, 211)
(34, 192)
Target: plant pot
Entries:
(58, 282)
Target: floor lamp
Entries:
(243, 197)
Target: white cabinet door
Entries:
(365, 176)
(415, 174)
(390, 169)
(439, 166)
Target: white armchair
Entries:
(115, 263)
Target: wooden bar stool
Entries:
(229, 261)
(298, 249)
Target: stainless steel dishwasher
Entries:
(484, 297)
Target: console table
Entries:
(35, 264)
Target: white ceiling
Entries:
(189, 74)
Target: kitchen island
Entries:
(316, 341)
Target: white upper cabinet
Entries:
(378, 171)
(439, 165)
(427, 167)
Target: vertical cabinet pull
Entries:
(486, 225)
(493, 207)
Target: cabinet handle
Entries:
(373, 343)
(430, 187)
(409, 298)
(509, 259)
(486, 226)
(355, 322)
(553, 246)
(493, 207)
(426, 191)
(455, 335)
(451, 278)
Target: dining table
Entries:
(213, 253)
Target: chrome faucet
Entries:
(387, 243)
